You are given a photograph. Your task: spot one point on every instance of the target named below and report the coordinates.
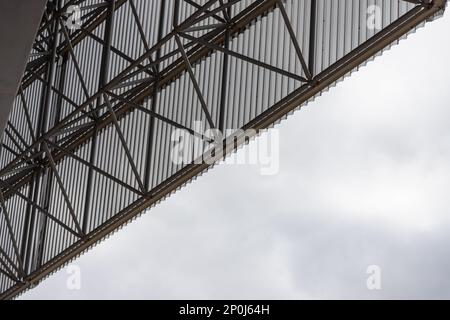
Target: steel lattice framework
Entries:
(87, 145)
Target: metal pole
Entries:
(104, 71)
(148, 157)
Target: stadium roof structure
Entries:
(87, 142)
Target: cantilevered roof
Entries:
(89, 139)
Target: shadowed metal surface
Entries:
(89, 141)
(19, 21)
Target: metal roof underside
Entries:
(88, 142)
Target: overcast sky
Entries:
(364, 180)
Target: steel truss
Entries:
(33, 173)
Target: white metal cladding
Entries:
(340, 27)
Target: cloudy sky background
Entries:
(364, 180)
